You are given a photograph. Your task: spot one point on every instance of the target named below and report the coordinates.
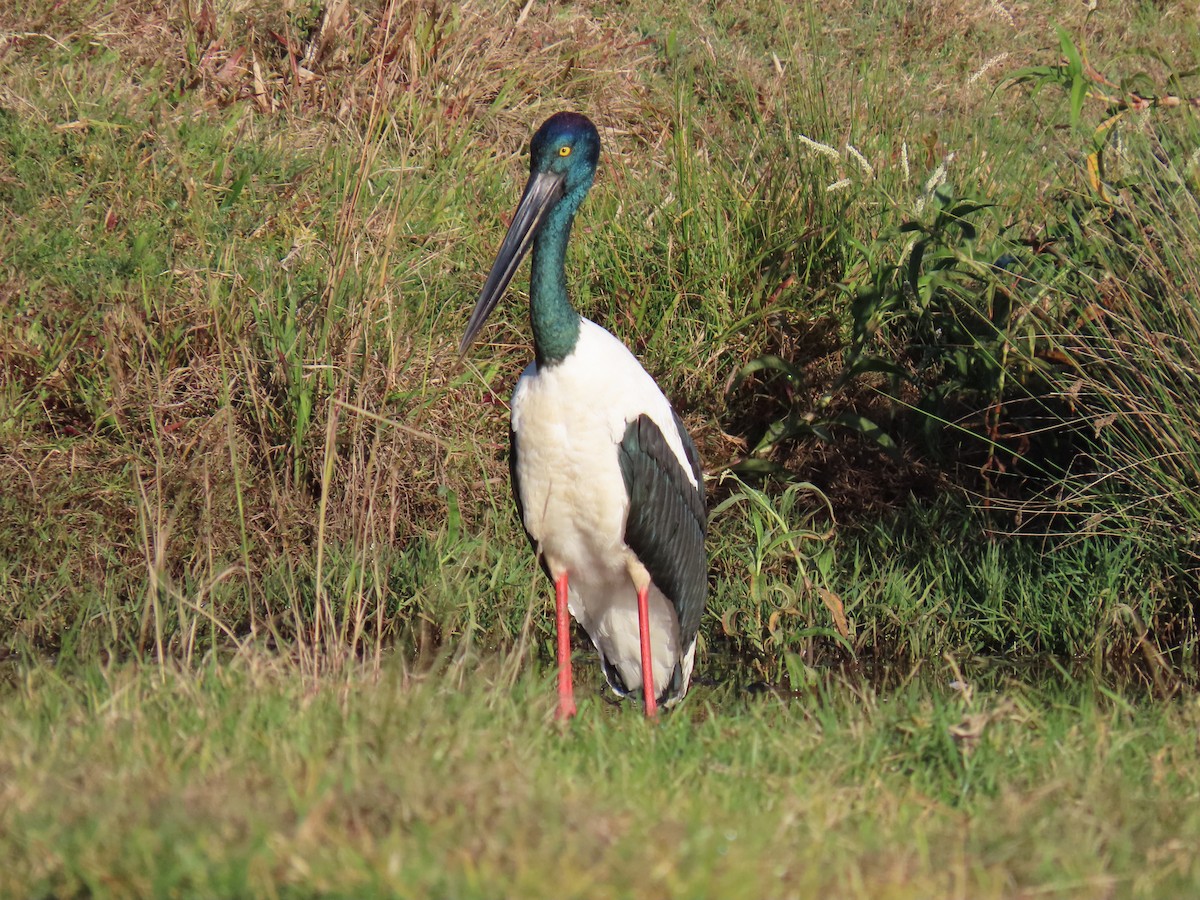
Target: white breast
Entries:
(567, 422)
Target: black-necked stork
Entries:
(607, 481)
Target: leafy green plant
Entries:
(1135, 92)
(953, 320)
(938, 317)
(782, 552)
(945, 319)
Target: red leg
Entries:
(647, 668)
(562, 623)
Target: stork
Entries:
(607, 482)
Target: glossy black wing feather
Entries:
(667, 519)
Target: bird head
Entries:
(562, 163)
(567, 146)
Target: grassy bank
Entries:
(933, 305)
(240, 242)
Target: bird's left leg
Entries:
(643, 599)
(562, 621)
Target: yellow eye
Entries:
(564, 151)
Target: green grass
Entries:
(238, 780)
(268, 622)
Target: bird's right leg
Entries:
(643, 602)
(562, 622)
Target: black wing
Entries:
(667, 519)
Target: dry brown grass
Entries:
(158, 434)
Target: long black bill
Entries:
(542, 191)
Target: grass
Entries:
(237, 780)
(268, 624)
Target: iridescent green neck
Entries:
(555, 323)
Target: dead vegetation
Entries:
(182, 423)
(241, 234)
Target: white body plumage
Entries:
(567, 423)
